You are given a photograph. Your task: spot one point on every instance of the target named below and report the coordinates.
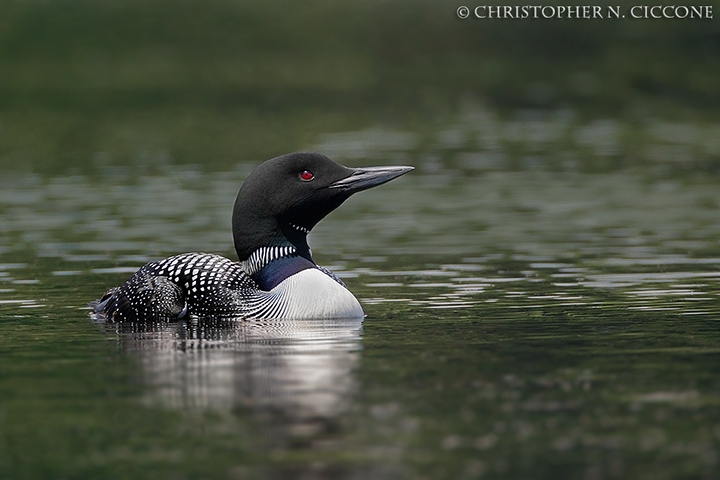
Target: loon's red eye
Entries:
(307, 175)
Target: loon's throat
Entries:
(296, 235)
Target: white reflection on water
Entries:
(654, 290)
(301, 369)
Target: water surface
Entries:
(520, 324)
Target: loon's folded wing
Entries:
(197, 283)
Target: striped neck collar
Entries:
(261, 257)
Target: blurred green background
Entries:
(86, 83)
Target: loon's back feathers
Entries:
(204, 284)
(277, 206)
(144, 296)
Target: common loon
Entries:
(276, 277)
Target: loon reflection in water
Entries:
(299, 369)
(276, 277)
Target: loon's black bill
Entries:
(367, 177)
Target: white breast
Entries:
(312, 294)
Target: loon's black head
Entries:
(285, 197)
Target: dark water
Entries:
(520, 324)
